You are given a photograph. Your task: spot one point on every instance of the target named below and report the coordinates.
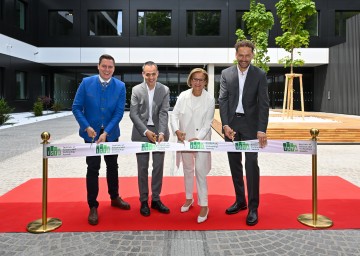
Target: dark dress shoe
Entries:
(144, 209)
(235, 208)
(93, 216)
(252, 218)
(158, 205)
(119, 203)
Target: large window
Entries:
(2, 87)
(64, 89)
(61, 23)
(203, 23)
(105, 23)
(240, 23)
(43, 82)
(131, 79)
(20, 14)
(154, 23)
(340, 21)
(312, 24)
(21, 88)
(1, 9)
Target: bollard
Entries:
(314, 220)
(44, 224)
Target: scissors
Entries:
(233, 136)
(155, 138)
(183, 134)
(92, 141)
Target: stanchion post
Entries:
(44, 224)
(314, 220)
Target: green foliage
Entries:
(57, 107)
(293, 15)
(258, 22)
(38, 107)
(240, 35)
(5, 111)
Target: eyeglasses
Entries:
(197, 80)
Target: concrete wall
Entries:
(337, 85)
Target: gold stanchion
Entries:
(45, 224)
(314, 220)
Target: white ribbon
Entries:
(113, 148)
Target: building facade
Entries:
(47, 46)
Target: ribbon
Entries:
(113, 148)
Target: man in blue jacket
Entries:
(98, 108)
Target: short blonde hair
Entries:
(197, 70)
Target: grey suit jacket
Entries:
(139, 110)
(255, 97)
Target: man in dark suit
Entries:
(99, 107)
(149, 114)
(244, 111)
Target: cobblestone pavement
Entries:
(21, 160)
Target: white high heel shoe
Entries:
(186, 208)
(202, 219)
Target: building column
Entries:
(211, 82)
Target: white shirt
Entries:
(151, 99)
(242, 78)
(103, 81)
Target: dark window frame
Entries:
(192, 31)
(243, 24)
(307, 23)
(21, 87)
(54, 27)
(100, 11)
(145, 27)
(1, 9)
(340, 27)
(21, 17)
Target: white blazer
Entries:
(203, 116)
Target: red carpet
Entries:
(282, 200)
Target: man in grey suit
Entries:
(149, 114)
(244, 112)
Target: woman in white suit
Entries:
(191, 120)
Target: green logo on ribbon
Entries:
(102, 149)
(196, 145)
(53, 151)
(288, 146)
(148, 146)
(241, 145)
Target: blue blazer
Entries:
(96, 106)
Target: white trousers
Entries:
(200, 164)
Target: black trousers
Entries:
(240, 126)
(92, 178)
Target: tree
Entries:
(258, 22)
(293, 15)
(5, 111)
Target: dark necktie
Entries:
(104, 84)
